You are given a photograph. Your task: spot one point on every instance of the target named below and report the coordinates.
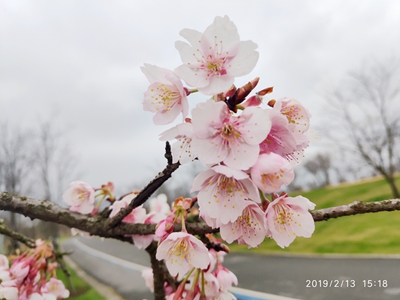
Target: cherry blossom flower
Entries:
(80, 196)
(211, 285)
(159, 209)
(44, 296)
(281, 139)
(287, 217)
(4, 269)
(4, 263)
(249, 226)
(222, 193)
(225, 278)
(8, 292)
(20, 268)
(181, 150)
(214, 58)
(4, 275)
(295, 112)
(270, 172)
(137, 215)
(165, 227)
(222, 137)
(182, 252)
(165, 96)
(57, 288)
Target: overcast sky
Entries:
(79, 62)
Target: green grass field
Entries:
(376, 233)
(80, 290)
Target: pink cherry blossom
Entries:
(182, 252)
(165, 227)
(4, 275)
(160, 205)
(225, 278)
(80, 196)
(295, 112)
(21, 268)
(57, 288)
(211, 285)
(287, 217)
(165, 96)
(44, 296)
(181, 150)
(137, 215)
(4, 269)
(214, 58)
(223, 193)
(4, 264)
(249, 226)
(8, 292)
(159, 209)
(221, 137)
(282, 139)
(270, 172)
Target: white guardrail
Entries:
(241, 294)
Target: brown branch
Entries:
(16, 236)
(355, 208)
(145, 194)
(95, 225)
(158, 272)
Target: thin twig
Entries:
(145, 194)
(17, 236)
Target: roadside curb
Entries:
(324, 255)
(104, 290)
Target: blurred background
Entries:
(71, 88)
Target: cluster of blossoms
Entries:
(202, 277)
(249, 149)
(198, 268)
(31, 276)
(249, 146)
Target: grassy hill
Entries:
(377, 233)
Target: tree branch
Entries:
(355, 208)
(16, 236)
(158, 272)
(95, 225)
(145, 194)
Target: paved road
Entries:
(286, 276)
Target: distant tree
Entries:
(367, 107)
(55, 163)
(16, 161)
(319, 167)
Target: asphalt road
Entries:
(306, 278)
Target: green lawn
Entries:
(377, 233)
(80, 290)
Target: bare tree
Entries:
(54, 162)
(319, 167)
(16, 160)
(366, 106)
